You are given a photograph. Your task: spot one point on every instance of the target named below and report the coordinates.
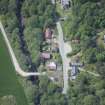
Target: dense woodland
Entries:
(25, 20)
(85, 22)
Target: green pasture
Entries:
(9, 84)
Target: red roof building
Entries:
(52, 66)
(48, 33)
(45, 55)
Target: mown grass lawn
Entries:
(9, 84)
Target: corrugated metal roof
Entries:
(64, 2)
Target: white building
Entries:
(74, 72)
(65, 3)
(104, 38)
(53, 1)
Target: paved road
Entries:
(64, 49)
(13, 57)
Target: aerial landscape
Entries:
(52, 52)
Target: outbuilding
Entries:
(104, 38)
(48, 33)
(45, 55)
(52, 66)
(65, 4)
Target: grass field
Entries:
(9, 84)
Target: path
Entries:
(64, 49)
(92, 73)
(13, 57)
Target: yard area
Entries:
(57, 76)
(51, 61)
(9, 84)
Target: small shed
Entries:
(55, 47)
(53, 1)
(45, 55)
(48, 33)
(52, 66)
(65, 3)
(104, 38)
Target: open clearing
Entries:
(9, 84)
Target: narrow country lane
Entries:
(13, 57)
(63, 51)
